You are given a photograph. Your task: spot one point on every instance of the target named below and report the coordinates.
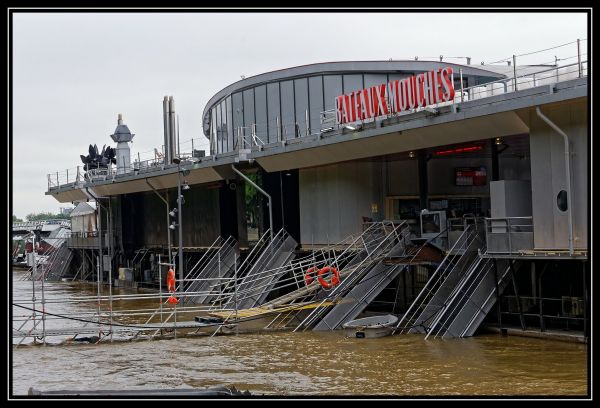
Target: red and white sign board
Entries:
(397, 96)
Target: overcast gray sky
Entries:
(73, 72)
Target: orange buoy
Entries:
(335, 277)
(171, 280)
(308, 278)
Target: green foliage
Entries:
(15, 219)
(46, 216)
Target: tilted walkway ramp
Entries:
(264, 273)
(212, 271)
(363, 293)
(472, 299)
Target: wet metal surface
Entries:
(308, 363)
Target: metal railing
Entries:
(509, 235)
(451, 265)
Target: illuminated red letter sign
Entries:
(397, 96)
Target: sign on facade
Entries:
(396, 96)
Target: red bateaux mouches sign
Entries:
(397, 96)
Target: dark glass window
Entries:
(229, 125)
(315, 87)
(248, 110)
(333, 89)
(273, 111)
(301, 91)
(213, 131)
(238, 117)
(219, 130)
(287, 110)
(260, 101)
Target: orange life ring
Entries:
(171, 280)
(335, 277)
(308, 277)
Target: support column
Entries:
(423, 181)
(518, 298)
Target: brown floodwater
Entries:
(307, 363)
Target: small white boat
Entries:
(370, 327)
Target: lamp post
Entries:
(177, 161)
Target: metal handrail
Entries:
(468, 236)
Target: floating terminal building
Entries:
(446, 194)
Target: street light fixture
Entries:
(177, 161)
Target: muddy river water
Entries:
(307, 363)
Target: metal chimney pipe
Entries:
(167, 128)
(120, 119)
(172, 130)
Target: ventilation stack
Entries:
(170, 146)
(122, 137)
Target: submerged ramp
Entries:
(59, 263)
(213, 271)
(371, 285)
(472, 299)
(264, 272)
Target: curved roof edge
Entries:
(336, 67)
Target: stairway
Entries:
(263, 273)
(444, 279)
(58, 264)
(379, 240)
(217, 264)
(472, 299)
(363, 293)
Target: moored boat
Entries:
(370, 327)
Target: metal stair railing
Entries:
(298, 267)
(381, 271)
(464, 297)
(243, 269)
(356, 273)
(249, 288)
(39, 262)
(222, 262)
(59, 264)
(459, 292)
(447, 281)
(447, 266)
(502, 283)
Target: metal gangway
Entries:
(59, 264)
(442, 281)
(472, 299)
(260, 271)
(373, 283)
(215, 265)
(378, 239)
